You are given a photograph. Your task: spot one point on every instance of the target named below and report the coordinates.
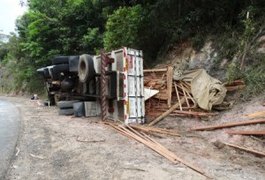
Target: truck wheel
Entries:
(60, 60)
(46, 73)
(60, 68)
(86, 68)
(66, 104)
(67, 112)
(51, 99)
(73, 63)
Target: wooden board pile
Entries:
(171, 94)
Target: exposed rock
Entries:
(261, 48)
(204, 58)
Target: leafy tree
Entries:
(122, 27)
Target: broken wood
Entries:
(167, 112)
(154, 145)
(230, 124)
(245, 149)
(184, 92)
(169, 85)
(177, 92)
(262, 132)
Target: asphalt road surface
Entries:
(9, 130)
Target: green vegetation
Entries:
(68, 27)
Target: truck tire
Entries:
(67, 112)
(79, 109)
(86, 69)
(60, 60)
(73, 63)
(51, 99)
(46, 73)
(55, 76)
(57, 69)
(66, 104)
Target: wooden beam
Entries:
(162, 116)
(245, 149)
(262, 132)
(169, 85)
(230, 124)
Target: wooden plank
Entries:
(169, 84)
(230, 124)
(245, 149)
(195, 113)
(155, 70)
(162, 116)
(262, 132)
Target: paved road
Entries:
(9, 130)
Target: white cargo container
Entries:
(128, 106)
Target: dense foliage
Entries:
(68, 27)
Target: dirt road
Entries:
(55, 147)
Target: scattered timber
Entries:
(260, 133)
(245, 149)
(170, 110)
(155, 130)
(152, 144)
(230, 124)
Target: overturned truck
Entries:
(111, 83)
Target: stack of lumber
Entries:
(137, 133)
(174, 97)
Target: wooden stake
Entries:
(245, 149)
(169, 84)
(167, 112)
(230, 124)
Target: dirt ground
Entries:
(49, 148)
